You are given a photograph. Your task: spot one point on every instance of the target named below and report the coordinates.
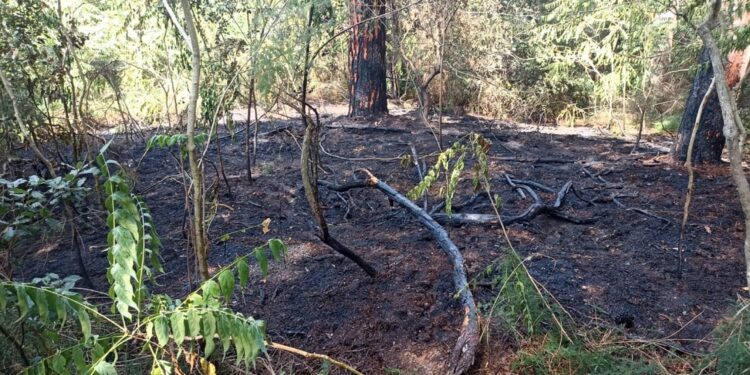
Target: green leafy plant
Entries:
(517, 304)
(167, 141)
(452, 163)
(30, 206)
(169, 331)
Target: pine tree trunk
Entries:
(367, 80)
(709, 141)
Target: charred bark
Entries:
(709, 141)
(367, 80)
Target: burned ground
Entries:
(619, 271)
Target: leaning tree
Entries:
(367, 79)
(709, 140)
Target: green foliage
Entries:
(541, 325)
(518, 304)
(167, 141)
(132, 241)
(554, 357)
(668, 124)
(731, 354)
(31, 56)
(452, 162)
(28, 205)
(153, 324)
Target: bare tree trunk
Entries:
(733, 130)
(250, 161)
(200, 244)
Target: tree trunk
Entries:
(733, 129)
(200, 245)
(367, 80)
(709, 141)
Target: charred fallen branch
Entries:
(366, 127)
(534, 160)
(535, 209)
(462, 356)
(613, 197)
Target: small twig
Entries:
(415, 159)
(17, 344)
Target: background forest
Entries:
(174, 175)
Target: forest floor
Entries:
(619, 271)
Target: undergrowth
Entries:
(549, 340)
(141, 331)
(731, 354)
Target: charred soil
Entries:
(619, 271)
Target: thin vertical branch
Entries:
(691, 175)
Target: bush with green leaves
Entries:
(84, 337)
(30, 206)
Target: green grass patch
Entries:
(549, 342)
(667, 124)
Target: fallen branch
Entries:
(534, 160)
(305, 354)
(537, 185)
(462, 356)
(366, 127)
(536, 208)
(691, 176)
(457, 206)
(649, 214)
(488, 219)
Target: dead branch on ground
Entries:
(462, 356)
(535, 209)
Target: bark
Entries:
(709, 141)
(367, 80)
(424, 96)
(733, 129)
(200, 245)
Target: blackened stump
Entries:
(367, 80)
